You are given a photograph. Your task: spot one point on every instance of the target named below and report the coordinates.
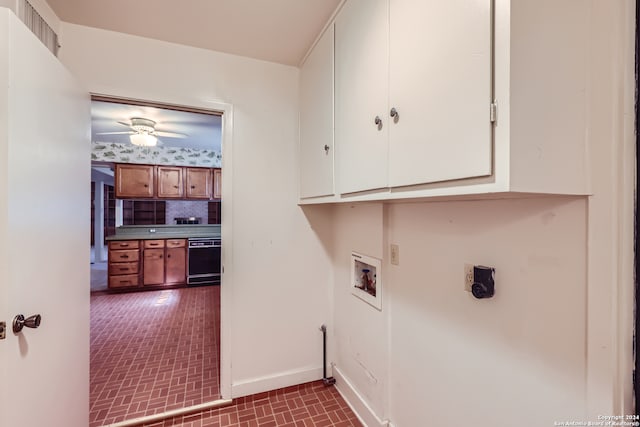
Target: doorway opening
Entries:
(155, 339)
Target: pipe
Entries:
(327, 381)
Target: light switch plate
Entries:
(395, 254)
(3, 330)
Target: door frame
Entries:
(226, 224)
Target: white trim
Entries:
(328, 24)
(226, 228)
(173, 413)
(610, 284)
(226, 231)
(626, 182)
(356, 402)
(274, 382)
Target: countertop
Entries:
(147, 232)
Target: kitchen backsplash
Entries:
(127, 153)
(186, 209)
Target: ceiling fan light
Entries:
(143, 139)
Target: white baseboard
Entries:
(358, 405)
(274, 382)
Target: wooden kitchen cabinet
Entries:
(316, 119)
(198, 183)
(217, 184)
(170, 182)
(134, 181)
(149, 262)
(176, 261)
(153, 267)
(124, 264)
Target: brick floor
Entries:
(306, 405)
(153, 351)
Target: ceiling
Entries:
(272, 30)
(203, 130)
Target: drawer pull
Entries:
(124, 256)
(153, 244)
(124, 281)
(124, 245)
(123, 269)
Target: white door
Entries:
(440, 85)
(316, 120)
(44, 234)
(361, 95)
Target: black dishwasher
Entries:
(203, 261)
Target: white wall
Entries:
(435, 349)
(556, 339)
(277, 302)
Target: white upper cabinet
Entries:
(361, 91)
(440, 86)
(316, 120)
(472, 97)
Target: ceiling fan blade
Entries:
(171, 134)
(125, 124)
(115, 133)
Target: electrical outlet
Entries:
(468, 277)
(395, 254)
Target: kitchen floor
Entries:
(153, 351)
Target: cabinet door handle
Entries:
(168, 255)
(146, 185)
(175, 186)
(394, 113)
(193, 186)
(378, 121)
(326, 149)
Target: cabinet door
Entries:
(176, 265)
(134, 181)
(170, 184)
(440, 84)
(316, 120)
(198, 183)
(217, 183)
(361, 92)
(153, 267)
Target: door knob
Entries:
(30, 322)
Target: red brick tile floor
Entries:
(156, 351)
(306, 405)
(152, 352)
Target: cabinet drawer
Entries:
(124, 244)
(124, 281)
(124, 256)
(153, 244)
(121, 268)
(176, 243)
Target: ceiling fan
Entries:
(143, 132)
